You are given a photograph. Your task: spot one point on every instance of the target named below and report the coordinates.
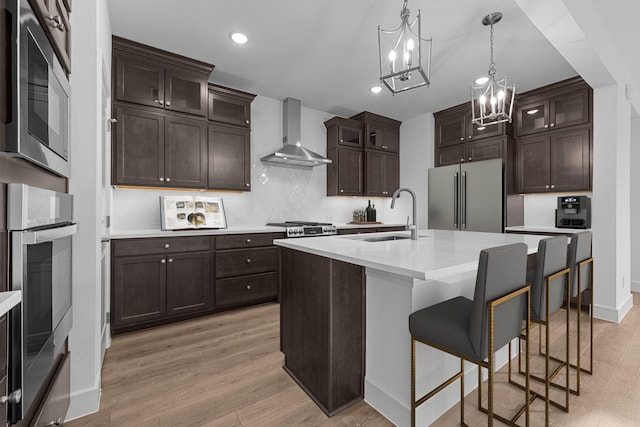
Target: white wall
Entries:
(540, 209)
(635, 205)
(277, 193)
(90, 48)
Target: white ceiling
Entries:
(325, 52)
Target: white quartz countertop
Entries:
(8, 300)
(437, 254)
(132, 234)
(542, 229)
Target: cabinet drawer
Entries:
(246, 289)
(249, 261)
(239, 241)
(155, 245)
(57, 399)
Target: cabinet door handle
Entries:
(470, 137)
(248, 241)
(161, 179)
(342, 140)
(248, 287)
(247, 185)
(161, 102)
(163, 261)
(546, 126)
(170, 260)
(546, 186)
(553, 186)
(462, 160)
(470, 158)
(384, 147)
(166, 246)
(552, 124)
(14, 397)
(461, 139)
(248, 261)
(168, 103)
(342, 191)
(247, 121)
(168, 179)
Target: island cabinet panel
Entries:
(159, 280)
(322, 328)
(247, 269)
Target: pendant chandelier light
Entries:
(491, 100)
(400, 53)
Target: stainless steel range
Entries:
(306, 228)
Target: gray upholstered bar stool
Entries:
(549, 280)
(580, 261)
(474, 330)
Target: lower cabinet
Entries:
(247, 269)
(158, 278)
(163, 280)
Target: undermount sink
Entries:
(385, 238)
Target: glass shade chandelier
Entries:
(491, 100)
(400, 53)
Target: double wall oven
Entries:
(41, 229)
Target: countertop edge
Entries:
(8, 300)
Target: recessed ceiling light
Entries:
(482, 80)
(532, 111)
(376, 89)
(239, 38)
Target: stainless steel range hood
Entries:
(292, 152)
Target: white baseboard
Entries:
(83, 402)
(613, 314)
(635, 286)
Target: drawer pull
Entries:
(168, 103)
(248, 240)
(166, 246)
(248, 287)
(248, 260)
(170, 260)
(163, 261)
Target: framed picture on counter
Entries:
(191, 212)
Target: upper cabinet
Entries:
(364, 152)
(458, 140)
(564, 104)
(151, 77)
(53, 16)
(380, 133)
(230, 106)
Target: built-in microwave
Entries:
(38, 129)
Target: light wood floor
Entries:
(226, 370)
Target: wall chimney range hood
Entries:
(292, 153)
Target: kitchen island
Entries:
(345, 304)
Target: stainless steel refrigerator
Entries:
(468, 196)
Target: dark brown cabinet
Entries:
(229, 164)
(230, 106)
(557, 106)
(382, 173)
(155, 78)
(380, 133)
(344, 132)
(560, 161)
(247, 269)
(454, 126)
(53, 16)
(345, 173)
(155, 149)
(159, 278)
(458, 140)
(364, 153)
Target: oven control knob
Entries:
(14, 397)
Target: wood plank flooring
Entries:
(226, 370)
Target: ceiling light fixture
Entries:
(376, 89)
(491, 101)
(239, 38)
(400, 53)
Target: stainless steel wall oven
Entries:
(39, 126)
(40, 222)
